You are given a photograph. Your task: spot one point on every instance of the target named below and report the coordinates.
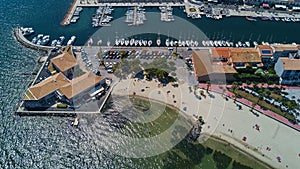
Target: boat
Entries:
(196, 43)
(122, 41)
(247, 44)
(144, 42)
(240, 43)
(211, 43)
(183, 43)
(203, 43)
(216, 43)
(158, 42)
(140, 42)
(27, 31)
(127, 42)
(167, 42)
(149, 42)
(45, 40)
(187, 43)
(60, 41)
(54, 42)
(227, 43)
(276, 18)
(108, 43)
(71, 41)
(136, 42)
(265, 18)
(250, 18)
(117, 42)
(255, 43)
(34, 40)
(171, 43)
(131, 42)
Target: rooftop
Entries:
(265, 50)
(80, 84)
(283, 47)
(244, 55)
(64, 61)
(290, 64)
(220, 52)
(46, 87)
(203, 64)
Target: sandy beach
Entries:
(261, 137)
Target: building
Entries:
(43, 94)
(243, 57)
(283, 50)
(207, 70)
(220, 55)
(80, 88)
(288, 69)
(65, 62)
(265, 52)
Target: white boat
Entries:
(131, 42)
(196, 43)
(144, 42)
(167, 42)
(40, 36)
(192, 43)
(240, 43)
(216, 43)
(71, 41)
(54, 42)
(183, 43)
(127, 42)
(227, 43)
(158, 42)
(211, 43)
(247, 44)
(34, 40)
(60, 41)
(117, 42)
(45, 40)
(140, 42)
(122, 41)
(136, 42)
(108, 43)
(187, 43)
(149, 42)
(236, 45)
(220, 43)
(255, 43)
(27, 31)
(171, 43)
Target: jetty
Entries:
(20, 37)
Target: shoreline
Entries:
(211, 137)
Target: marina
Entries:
(102, 16)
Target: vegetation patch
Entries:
(222, 160)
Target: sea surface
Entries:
(51, 142)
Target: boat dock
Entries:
(20, 37)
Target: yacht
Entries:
(60, 41)
(45, 40)
(196, 43)
(183, 43)
(149, 42)
(240, 43)
(136, 42)
(127, 42)
(247, 44)
(187, 42)
(144, 42)
(27, 31)
(158, 42)
(34, 40)
(54, 42)
(167, 42)
(131, 42)
(122, 41)
(255, 43)
(117, 42)
(171, 43)
(71, 41)
(140, 42)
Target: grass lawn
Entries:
(264, 104)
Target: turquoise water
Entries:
(50, 142)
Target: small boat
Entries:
(54, 42)
(45, 40)
(211, 43)
(108, 43)
(144, 42)
(247, 44)
(117, 42)
(127, 42)
(227, 43)
(75, 122)
(60, 41)
(183, 43)
(276, 19)
(131, 42)
(216, 43)
(34, 40)
(171, 43)
(27, 31)
(255, 43)
(140, 42)
(187, 42)
(136, 42)
(158, 42)
(196, 43)
(149, 42)
(250, 18)
(122, 42)
(71, 41)
(203, 43)
(167, 43)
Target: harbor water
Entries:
(51, 142)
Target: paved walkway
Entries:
(216, 88)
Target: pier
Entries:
(19, 37)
